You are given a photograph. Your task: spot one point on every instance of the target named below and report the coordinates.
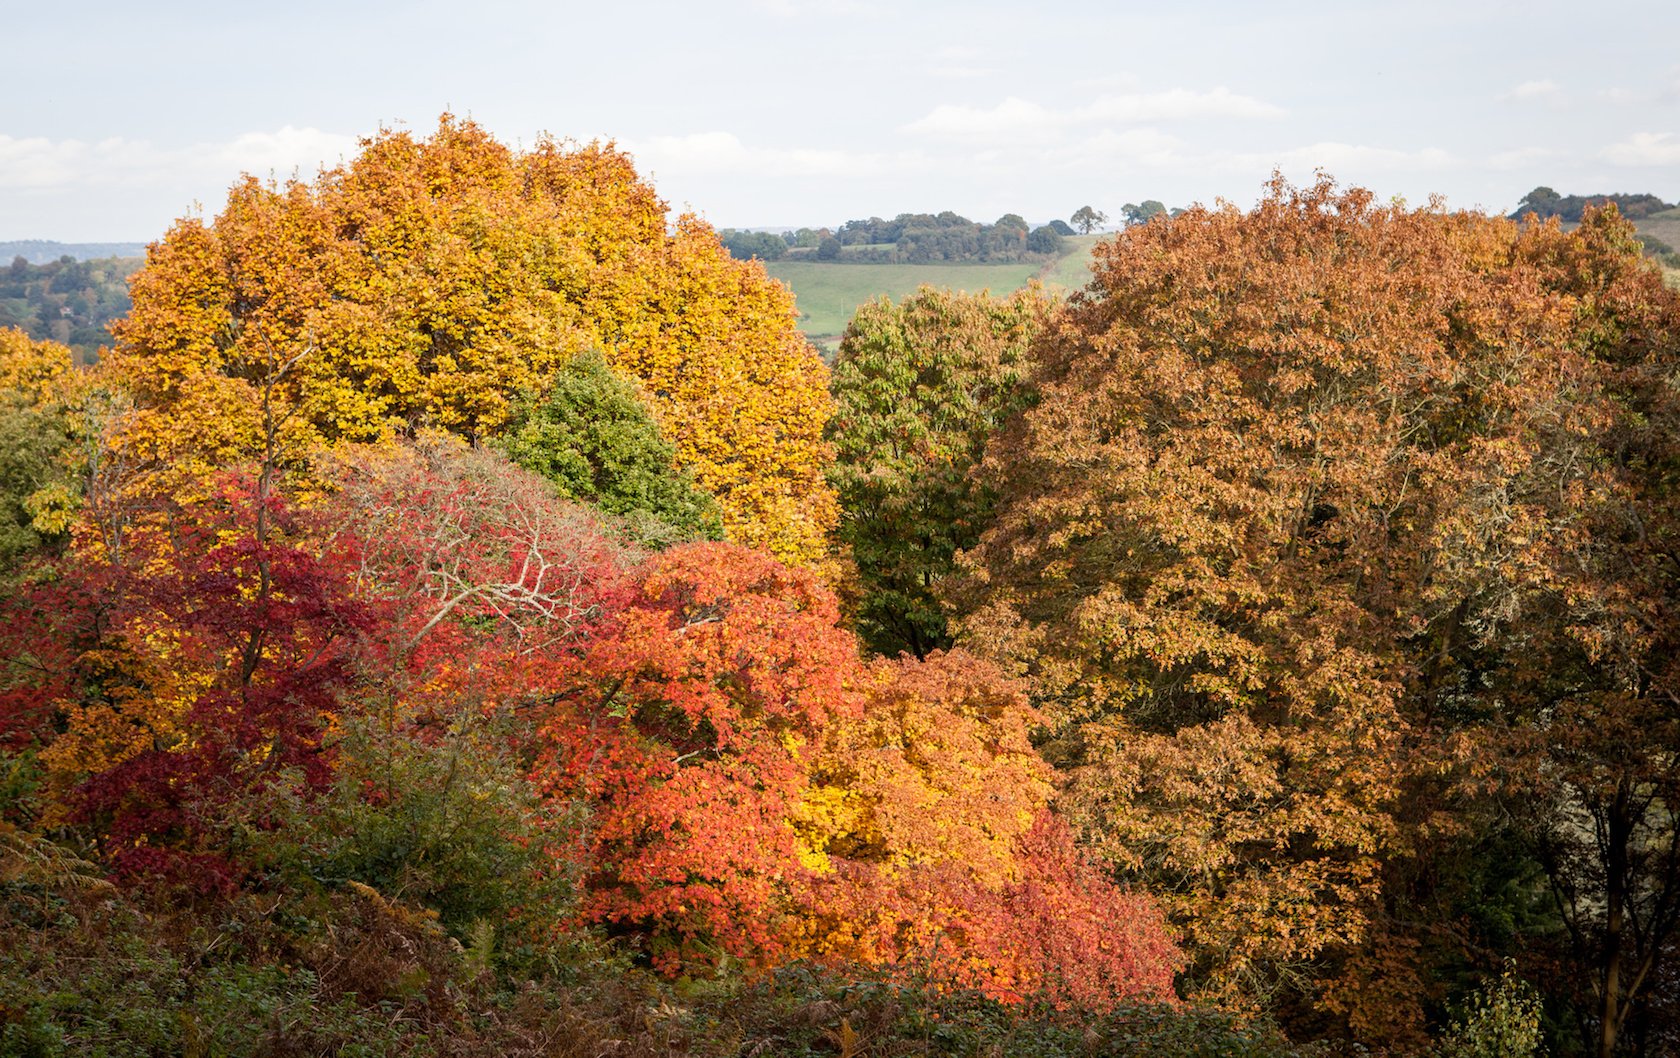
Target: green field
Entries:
(1073, 270)
(828, 294)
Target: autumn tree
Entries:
(38, 390)
(1583, 708)
(684, 727)
(927, 826)
(921, 388)
(432, 281)
(488, 579)
(1136, 213)
(1256, 540)
(199, 662)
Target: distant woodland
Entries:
(46, 251)
(67, 301)
(1545, 202)
(909, 238)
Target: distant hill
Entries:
(43, 251)
(1545, 202)
(70, 302)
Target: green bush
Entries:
(439, 820)
(1501, 1021)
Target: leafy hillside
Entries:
(69, 302)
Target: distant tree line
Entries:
(46, 251)
(909, 238)
(1544, 202)
(67, 301)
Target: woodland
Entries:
(460, 614)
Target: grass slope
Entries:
(828, 293)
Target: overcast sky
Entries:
(117, 117)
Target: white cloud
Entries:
(724, 152)
(1343, 158)
(1664, 90)
(1644, 148)
(1522, 157)
(1533, 91)
(288, 149)
(40, 164)
(1016, 118)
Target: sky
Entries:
(117, 117)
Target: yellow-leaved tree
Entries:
(430, 281)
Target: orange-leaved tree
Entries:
(1282, 494)
(752, 790)
(431, 281)
(928, 823)
(685, 728)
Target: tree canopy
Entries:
(432, 281)
(1304, 501)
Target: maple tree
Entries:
(920, 388)
(1256, 536)
(685, 727)
(433, 281)
(754, 791)
(202, 660)
(927, 823)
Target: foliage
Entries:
(189, 666)
(591, 435)
(1502, 1021)
(1135, 214)
(921, 387)
(1293, 476)
(683, 728)
(357, 973)
(927, 824)
(1046, 240)
(919, 238)
(38, 391)
(436, 816)
(432, 281)
(1543, 202)
(66, 301)
(746, 245)
(1087, 219)
(753, 794)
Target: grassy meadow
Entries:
(828, 293)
